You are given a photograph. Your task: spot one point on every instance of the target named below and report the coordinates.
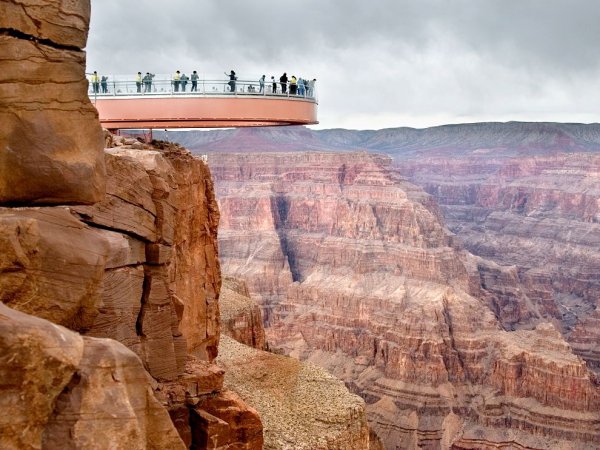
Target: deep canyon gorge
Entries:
(291, 288)
(427, 326)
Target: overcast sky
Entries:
(379, 64)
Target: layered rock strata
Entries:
(140, 267)
(356, 272)
(536, 216)
(241, 317)
(50, 139)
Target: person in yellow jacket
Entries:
(293, 85)
(138, 81)
(176, 80)
(95, 82)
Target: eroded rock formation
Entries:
(62, 390)
(355, 271)
(50, 139)
(537, 217)
(241, 317)
(127, 255)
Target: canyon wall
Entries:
(355, 271)
(539, 217)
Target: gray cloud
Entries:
(379, 63)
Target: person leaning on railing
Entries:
(138, 81)
(176, 81)
(95, 82)
(274, 87)
(148, 82)
(232, 79)
(183, 80)
(311, 87)
(194, 79)
(104, 84)
(283, 79)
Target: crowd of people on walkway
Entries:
(293, 85)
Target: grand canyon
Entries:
(434, 271)
(287, 288)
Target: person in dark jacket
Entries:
(283, 79)
(183, 80)
(194, 81)
(232, 79)
(104, 84)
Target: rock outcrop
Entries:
(62, 390)
(128, 254)
(355, 272)
(164, 203)
(50, 140)
(241, 317)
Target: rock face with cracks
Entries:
(50, 138)
(127, 255)
(355, 272)
(62, 390)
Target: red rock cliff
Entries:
(123, 289)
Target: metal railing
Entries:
(165, 85)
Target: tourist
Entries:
(138, 81)
(293, 85)
(311, 87)
(301, 87)
(262, 84)
(274, 89)
(95, 82)
(176, 81)
(184, 79)
(283, 79)
(148, 82)
(194, 81)
(232, 79)
(104, 84)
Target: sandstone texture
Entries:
(62, 390)
(50, 140)
(163, 201)
(356, 272)
(302, 407)
(139, 267)
(241, 316)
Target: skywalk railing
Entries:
(165, 85)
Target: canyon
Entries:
(523, 197)
(109, 272)
(355, 271)
(451, 285)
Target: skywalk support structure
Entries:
(217, 104)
